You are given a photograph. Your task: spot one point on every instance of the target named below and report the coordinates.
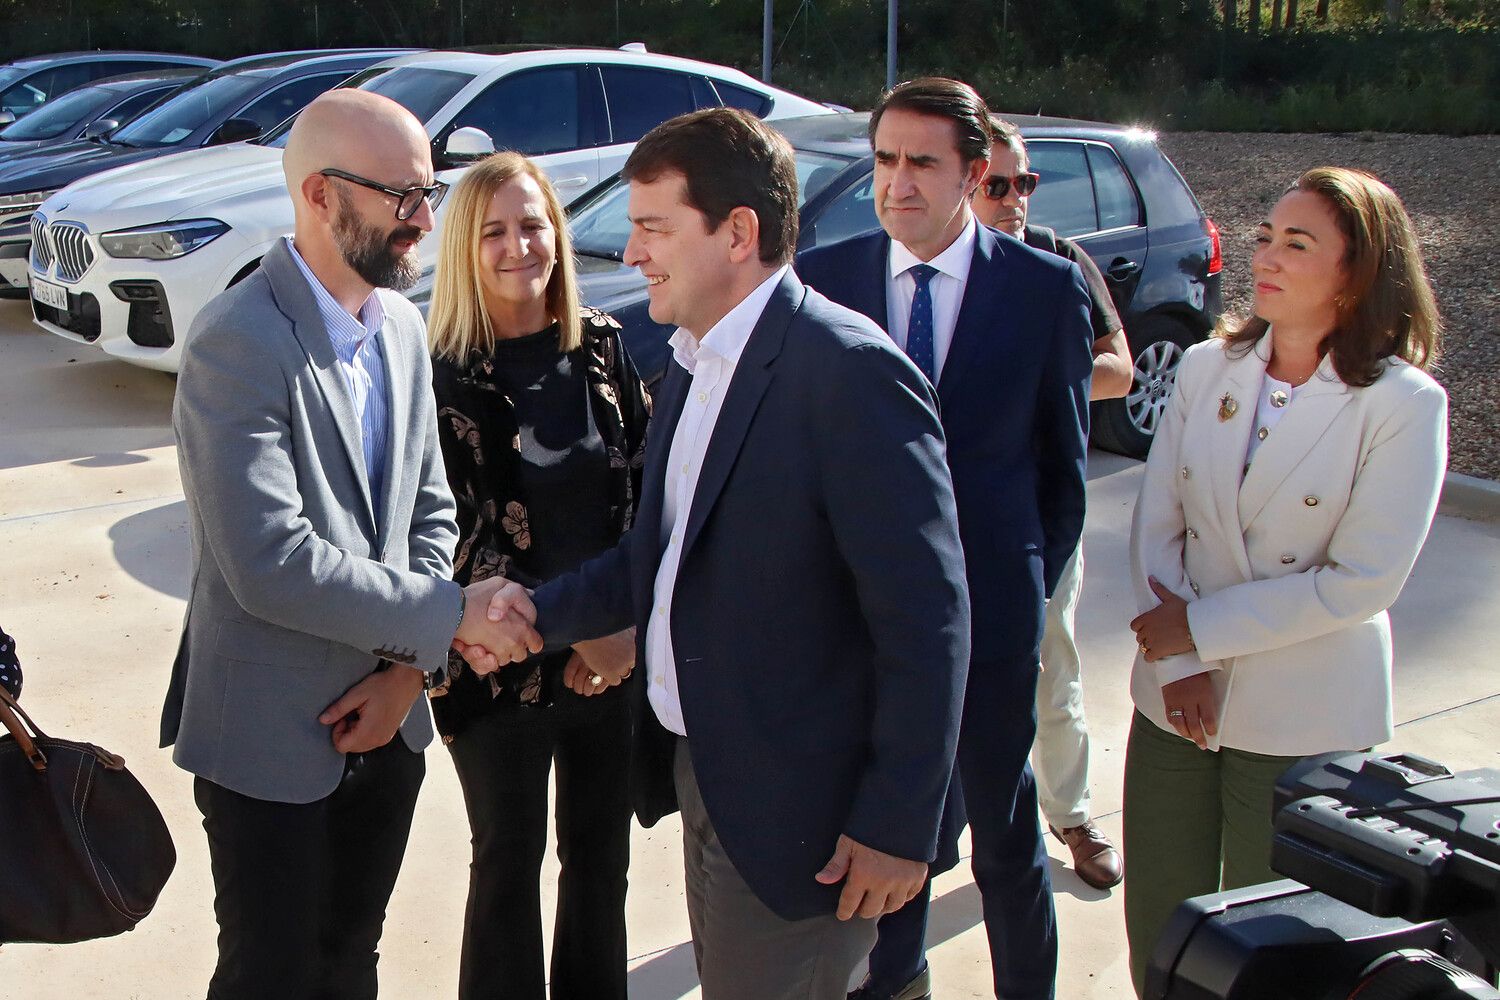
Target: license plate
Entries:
(49, 294)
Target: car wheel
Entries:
(1127, 426)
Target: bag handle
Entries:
(9, 709)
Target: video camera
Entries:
(1397, 893)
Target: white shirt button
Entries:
(702, 397)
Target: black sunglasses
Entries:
(407, 201)
(996, 187)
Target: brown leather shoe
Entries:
(1094, 858)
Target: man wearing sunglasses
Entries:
(1002, 331)
(323, 535)
(1061, 755)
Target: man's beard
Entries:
(368, 250)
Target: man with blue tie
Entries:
(1002, 331)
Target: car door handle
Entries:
(1122, 268)
(568, 182)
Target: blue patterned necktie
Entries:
(919, 344)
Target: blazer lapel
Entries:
(979, 317)
(869, 297)
(295, 299)
(666, 411)
(398, 367)
(752, 375)
(1227, 441)
(1306, 420)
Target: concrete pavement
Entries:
(92, 527)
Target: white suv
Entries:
(127, 258)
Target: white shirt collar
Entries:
(954, 261)
(729, 335)
(348, 332)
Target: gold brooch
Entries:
(1227, 407)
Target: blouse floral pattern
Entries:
(493, 523)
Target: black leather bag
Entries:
(84, 852)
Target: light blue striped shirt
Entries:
(356, 343)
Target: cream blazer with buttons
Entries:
(1288, 568)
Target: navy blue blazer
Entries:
(820, 617)
(1014, 393)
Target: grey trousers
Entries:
(744, 950)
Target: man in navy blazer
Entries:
(1003, 331)
(795, 576)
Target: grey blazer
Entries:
(296, 592)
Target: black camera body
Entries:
(1397, 893)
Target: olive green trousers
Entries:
(1196, 821)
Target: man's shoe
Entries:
(1094, 858)
(919, 988)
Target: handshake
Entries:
(498, 627)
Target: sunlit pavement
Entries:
(92, 528)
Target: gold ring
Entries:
(595, 680)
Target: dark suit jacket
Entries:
(820, 620)
(1014, 393)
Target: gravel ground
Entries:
(1451, 187)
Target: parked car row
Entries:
(233, 102)
(134, 227)
(125, 259)
(93, 110)
(27, 84)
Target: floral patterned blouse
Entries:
(544, 453)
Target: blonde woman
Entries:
(1289, 489)
(542, 421)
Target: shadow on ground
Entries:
(153, 547)
(109, 410)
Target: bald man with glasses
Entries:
(322, 532)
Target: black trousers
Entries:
(300, 890)
(995, 792)
(503, 761)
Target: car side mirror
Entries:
(465, 145)
(101, 128)
(234, 130)
(7, 118)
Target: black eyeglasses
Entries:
(996, 187)
(407, 201)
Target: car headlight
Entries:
(163, 242)
(26, 199)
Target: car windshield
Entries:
(601, 228)
(67, 112)
(420, 91)
(188, 110)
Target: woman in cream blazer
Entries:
(1292, 481)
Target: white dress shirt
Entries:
(947, 287)
(711, 363)
(356, 343)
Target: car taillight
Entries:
(1215, 255)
